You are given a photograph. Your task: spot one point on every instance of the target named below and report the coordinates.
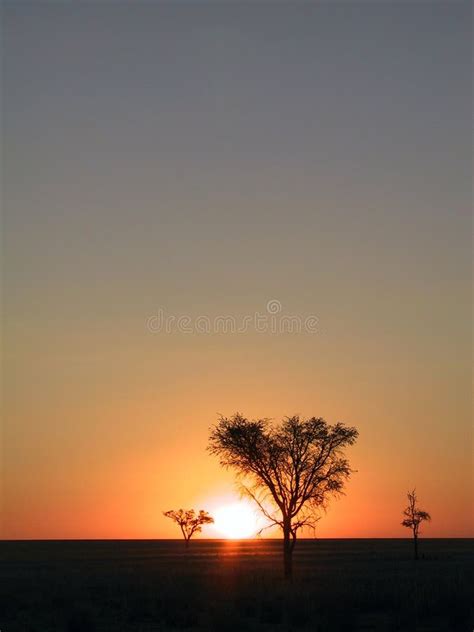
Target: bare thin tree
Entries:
(189, 522)
(413, 518)
(290, 470)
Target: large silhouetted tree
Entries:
(413, 518)
(189, 522)
(290, 470)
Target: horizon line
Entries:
(407, 538)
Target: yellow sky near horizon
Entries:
(109, 466)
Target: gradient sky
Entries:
(204, 159)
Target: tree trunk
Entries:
(415, 540)
(186, 543)
(287, 552)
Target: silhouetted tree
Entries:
(189, 522)
(414, 517)
(290, 470)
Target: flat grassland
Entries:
(155, 585)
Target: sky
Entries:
(200, 160)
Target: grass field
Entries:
(145, 586)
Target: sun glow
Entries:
(236, 520)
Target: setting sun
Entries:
(236, 520)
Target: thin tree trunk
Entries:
(287, 553)
(416, 546)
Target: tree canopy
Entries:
(188, 521)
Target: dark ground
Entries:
(145, 586)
